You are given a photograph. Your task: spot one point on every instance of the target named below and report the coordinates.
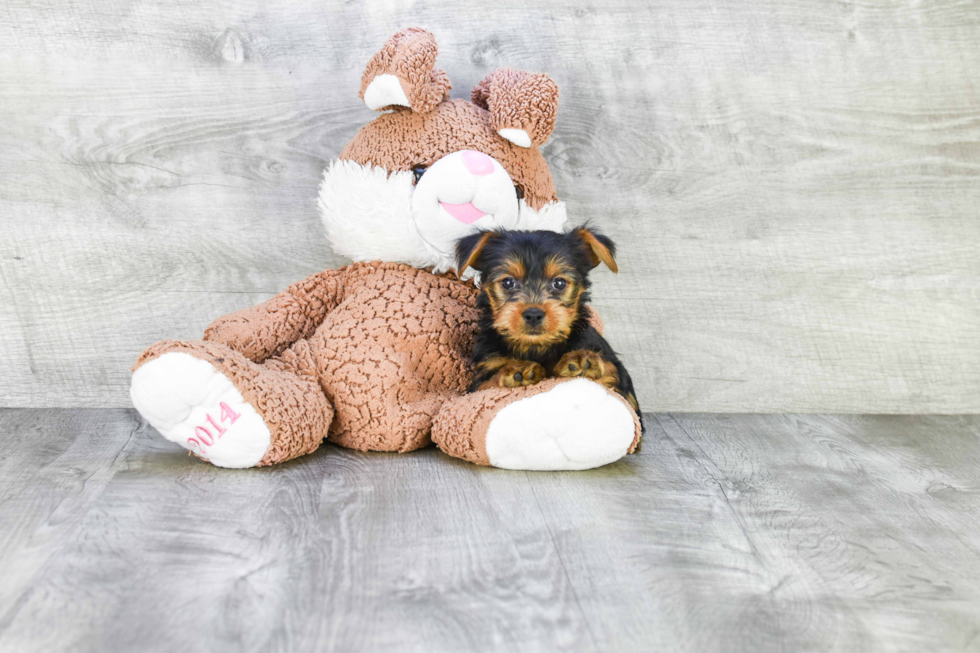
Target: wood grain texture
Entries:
(793, 185)
(747, 533)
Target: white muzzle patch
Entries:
(459, 194)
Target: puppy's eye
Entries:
(417, 173)
(559, 284)
(508, 283)
(520, 192)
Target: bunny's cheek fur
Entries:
(368, 215)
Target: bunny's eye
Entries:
(417, 173)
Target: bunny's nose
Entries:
(477, 163)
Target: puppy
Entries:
(534, 309)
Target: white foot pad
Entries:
(191, 403)
(575, 425)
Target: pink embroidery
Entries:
(220, 430)
(204, 435)
(226, 411)
(204, 438)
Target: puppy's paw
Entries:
(587, 364)
(581, 362)
(518, 373)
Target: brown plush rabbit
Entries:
(375, 355)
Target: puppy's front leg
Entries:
(589, 364)
(508, 373)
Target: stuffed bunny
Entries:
(375, 355)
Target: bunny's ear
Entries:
(402, 74)
(522, 105)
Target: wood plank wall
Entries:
(794, 185)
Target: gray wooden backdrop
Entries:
(794, 184)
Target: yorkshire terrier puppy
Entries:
(534, 303)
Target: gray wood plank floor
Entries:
(727, 533)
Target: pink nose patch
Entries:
(477, 163)
(465, 213)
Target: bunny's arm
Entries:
(267, 329)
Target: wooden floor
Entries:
(727, 533)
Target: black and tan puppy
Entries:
(534, 304)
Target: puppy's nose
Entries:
(477, 163)
(533, 316)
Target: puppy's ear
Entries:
(598, 247)
(468, 250)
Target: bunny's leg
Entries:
(554, 425)
(229, 410)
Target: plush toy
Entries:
(375, 355)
